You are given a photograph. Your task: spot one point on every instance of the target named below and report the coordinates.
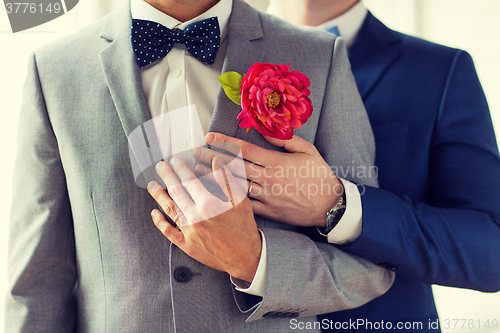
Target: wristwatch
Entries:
(333, 216)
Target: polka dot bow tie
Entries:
(152, 41)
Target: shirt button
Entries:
(181, 144)
(176, 72)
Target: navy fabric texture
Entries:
(152, 41)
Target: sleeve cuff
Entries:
(259, 281)
(350, 225)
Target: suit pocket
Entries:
(390, 130)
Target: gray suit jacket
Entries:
(84, 253)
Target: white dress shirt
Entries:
(181, 93)
(348, 23)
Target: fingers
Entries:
(239, 167)
(162, 198)
(175, 189)
(207, 174)
(189, 180)
(227, 182)
(242, 148)
(251, 188)
(221, 196)
(295, 145)
(174, 235)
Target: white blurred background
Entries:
(472, 25)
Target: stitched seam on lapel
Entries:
(223, 120)
(372, 32)
(327, 82)
(381, 75)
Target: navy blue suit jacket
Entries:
(436, 217)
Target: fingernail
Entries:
(199, 169)
(221, 163)
(210, 138)
(159, 166)
(197, 152)
(153, 213)
(151, 185)
(174, 160)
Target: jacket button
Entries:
(268, 315)
(294, 315)
(287, 315)
(182, 274)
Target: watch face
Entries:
(334, 217)
(329, 220)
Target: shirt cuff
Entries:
(350, 225)
(259, 280)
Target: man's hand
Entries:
(296, 188)
(220, 234)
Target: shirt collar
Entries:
(348, 23)
(140, 9)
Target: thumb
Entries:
(295, 145)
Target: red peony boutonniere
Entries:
(273, 99)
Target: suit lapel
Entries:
(374, 52)
(125, 85)
(242, 51)
(122, 72)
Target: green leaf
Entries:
(231, 83)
